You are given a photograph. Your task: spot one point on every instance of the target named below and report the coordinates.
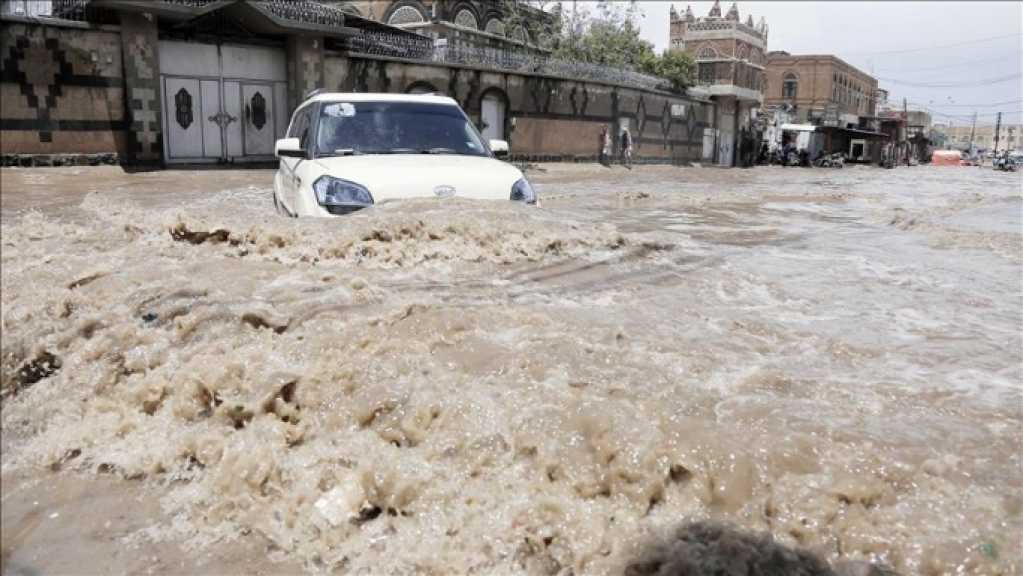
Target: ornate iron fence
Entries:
(422, 48)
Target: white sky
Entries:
(858, 31)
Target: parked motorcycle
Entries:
(1004, 162)
(836, 160)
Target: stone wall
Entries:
(61, 90)
(139, 41)
(81, 89)
(546, 118)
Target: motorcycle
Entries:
(1005, 163)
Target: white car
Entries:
(344, 152)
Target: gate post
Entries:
(142, 98)
(305, 67)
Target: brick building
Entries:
(730, 56)
(821, 89)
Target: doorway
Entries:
(222, 102)
(492, 114)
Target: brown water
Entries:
(832, 356)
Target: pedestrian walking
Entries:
(605, 146)
(626, 148)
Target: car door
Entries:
(289, 166)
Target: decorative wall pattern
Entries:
(141, 79)
(60, 90)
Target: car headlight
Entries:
(341, 196)
(522, 192)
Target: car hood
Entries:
(398, 176)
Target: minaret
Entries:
(715, 10)
(733, 13)
(689, 14)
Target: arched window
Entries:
(520, 34)
(406, 15)
(466, 18)
(742, 53)
(495, 26)
(707, 53)
(789, 86)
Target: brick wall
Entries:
(61, 90)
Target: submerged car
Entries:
(344, 152)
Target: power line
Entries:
(959, 65)
(968, 42)
(985, 82)
(990, 105)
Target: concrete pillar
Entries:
(305, 67)
(142, 88)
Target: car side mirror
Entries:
(289, 148)
(499, 148)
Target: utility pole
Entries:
(973, 131)
(998, 128)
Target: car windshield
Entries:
(395, 128)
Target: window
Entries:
(395, 128)
(405, 15)
(466, 18)
(706, 72)
(789, 86)
(495, 26)
(707, 53)
(300, 126)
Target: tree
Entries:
(610, 37)
(676, 66)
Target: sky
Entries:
(885, 38)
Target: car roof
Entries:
(380, 97)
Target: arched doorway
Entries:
(421, 87)
(493, 108)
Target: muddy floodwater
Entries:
(191, 382)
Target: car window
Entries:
(396, 128)
(300, 127)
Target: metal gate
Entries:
(221, 102)
(492, 112)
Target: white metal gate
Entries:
(221, 102)
(492, 112)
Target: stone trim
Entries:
(35, 160)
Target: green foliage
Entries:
(610, 37)
(676, 66)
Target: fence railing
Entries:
(400, 46)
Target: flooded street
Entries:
(831, 356)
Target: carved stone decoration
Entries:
(467, 19)
(258, 104)
(183, 108)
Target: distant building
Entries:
(820, 88)
(730, 61)
(26, 7)
(1010, 137)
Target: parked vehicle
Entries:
(344, 152)
(1005, 162)
(836, 160)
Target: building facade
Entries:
(819, 89)
(464, 23)
(730, 57)
(215, 81)
(1010, 136)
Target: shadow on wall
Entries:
(712, 549)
